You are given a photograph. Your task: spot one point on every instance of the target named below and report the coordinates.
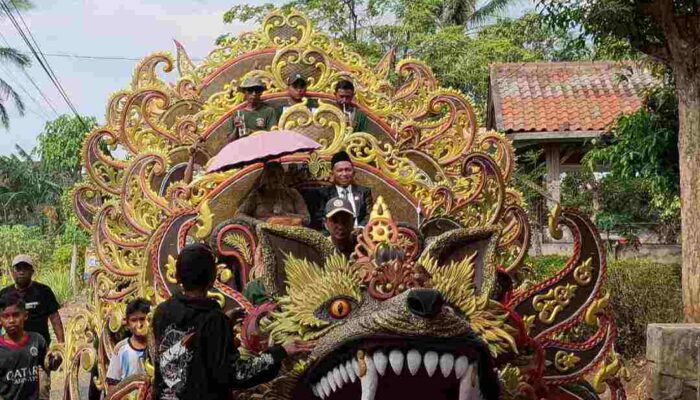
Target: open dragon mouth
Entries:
(395, 368)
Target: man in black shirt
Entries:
(196, 358)
(21, 353)
(41, 306)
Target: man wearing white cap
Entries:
(41, 305)
(340, 223)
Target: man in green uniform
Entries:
(344, 95)
(296, 90)
(255, 115)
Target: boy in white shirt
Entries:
(129, 353)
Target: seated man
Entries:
(360, 197)
(296, 90)
(255, 115)
(340, 221)
(273, 202)
(344, 96)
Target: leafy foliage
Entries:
(28, 194)
(644, 145)
(60, 146)
(12, 58)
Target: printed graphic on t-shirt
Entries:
(23, 375)
(174, 361)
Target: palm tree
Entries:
(14, 58)
(465, 12)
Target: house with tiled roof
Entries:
(561, 106)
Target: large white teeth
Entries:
(369, 367)
(431, 361)
(331, 381)
(447, 361)
(461, 366)
(396, 361)
(413, 360)
(380, 362)
(466, 385)
(369, 380)
(343, 373)
(325, 386)
(337, 378)
(351, 370)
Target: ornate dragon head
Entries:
(420, 322)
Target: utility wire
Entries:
(106, 58)
(36, 51)
(31, 80)
(17, 83)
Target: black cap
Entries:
(340, 156)
(336, 205)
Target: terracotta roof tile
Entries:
(544, 97)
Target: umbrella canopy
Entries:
(260, 147)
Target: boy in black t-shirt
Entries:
(41, 306)
(195, 354)
(21, 353)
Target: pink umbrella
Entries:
(260, 147)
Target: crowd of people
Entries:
(194, 355)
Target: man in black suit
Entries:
(360, 197)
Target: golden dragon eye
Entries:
(339, 308)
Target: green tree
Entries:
(60, 146)
(362, 24)
(30, 190)
(644, 145)
(668, 31)
(28, 194)
(11, 58)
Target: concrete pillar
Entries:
(673, 351)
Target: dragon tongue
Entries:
(370, 380)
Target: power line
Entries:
(24, 90)
(31, 80)
(105, 58)
(36, 51)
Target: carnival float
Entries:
(443, 197)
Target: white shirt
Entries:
(348, 195)
(125, 362)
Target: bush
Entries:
(642, 292)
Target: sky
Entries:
(123, 28)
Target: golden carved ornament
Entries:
(564, 361)
(553, 302)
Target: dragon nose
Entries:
(425, 303)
